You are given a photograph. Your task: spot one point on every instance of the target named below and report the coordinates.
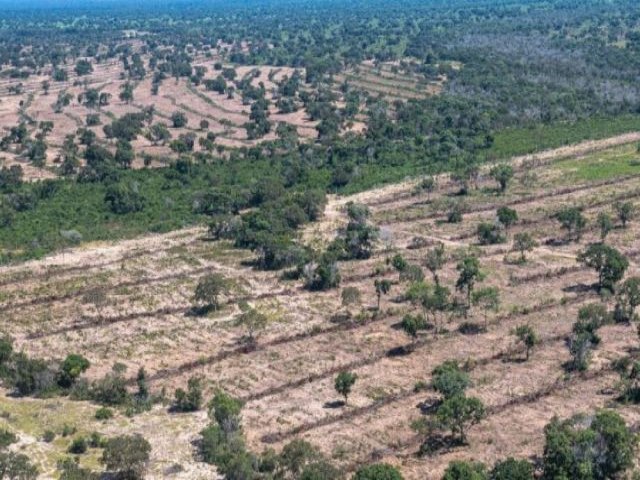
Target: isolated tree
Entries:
(159, 133)
(253, 321)
(412, 324)
(378, 471)
(502, 174)
(528, 337)
(209, 289)
(127, 455)
(382, 287)
(605, 224)
(626, 212)
(489, 234)
(469, 274)
(204, 124)
(458, 413)
(507, 217)
(573, 221)
(179, 120)
(428, 184)
(126, 93)
(580, 347)
(435, 260)
(72, 367)
(449, 380)
(627, 300)
(523, 242)
(488, 299)
(607, 261)
(344, 382)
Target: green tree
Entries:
(573, 221)
(343, 384)
(449, 380)
(209, 289)
(469, 274)
(127, 455)
(502, 174)
(179, 120)
(412, 324)
(512, 469)
(627, 300)
(488, 299)
(253, 321)
(625, 211)
(523, 242)
(458, 413)
(382, 287)
(489, 234)
(72, 367)
(507, 217)
(16, 466)
(461, 470)
(607, 261)
(528, 337)
(605, 224)
(435, 260)
(191, 400)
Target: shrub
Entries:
(104, 413)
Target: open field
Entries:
(287, 380)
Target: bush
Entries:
(7, 438)
(104, 413)
(48, 436)
(127, 455)
(380, 471)
(78, 446)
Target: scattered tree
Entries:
(343, 384)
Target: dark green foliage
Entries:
(457, 413)
(573, 221)
(127, 456)
(7, 438)
(461, 470)
(507, 217)
(378, 471)
(344, 383)
(627, 300)
(191, 400)
(502, 174)
(104, 413)
(78, 446)
(72, 367)
(17, 466)
(449, 379)
(512, 469)
(71, 470)
(599, 447)
(607, 261)
(489, 234)
(124, 198)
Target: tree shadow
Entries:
(334, 404)
(438, 443)
(400, 351)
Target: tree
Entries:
(512, 469)
(128, 455)
(607, 261)
(378, 471)
(469, 274)
(435, 260)
(528, 337)
(605, 224)
(124, 153)
(458, 413)
(625, 211)
(343, 384)
(428, 184)
(382, 287)
(461, 470)
(126, 92)
(502, 174)
(209, 289)
(449, 380)
(488, 299)
(204, 124)
(489, 234)
(179, 120)
(159, 133)
(580, 346)
(573, 221)
(598, 447)
(523, 242)
(507, 217)
(627, 300)
(412, 324)
(72, 367)
(297, 455)
(253, 321)
(191, 400)
(83, 67)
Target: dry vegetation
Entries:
(287, 380)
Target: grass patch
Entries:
(616, 162)
(520, 141)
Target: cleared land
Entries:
(287, 380)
